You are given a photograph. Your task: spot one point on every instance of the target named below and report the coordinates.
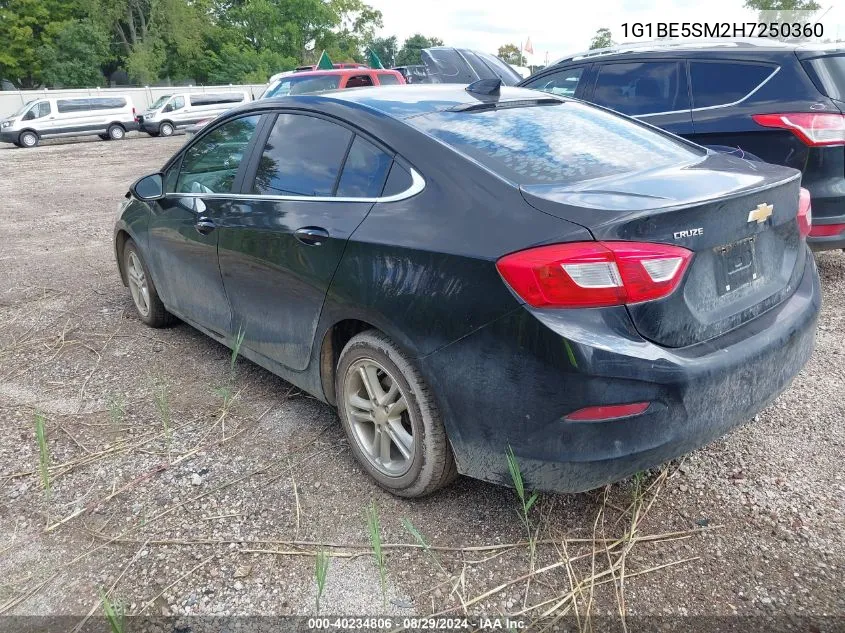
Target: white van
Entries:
(175, 111)
(108, 117)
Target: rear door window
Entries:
(720, 83)
(302, 157)
(211, 164)
(642, 87)
(829, 74)
(563, 83)
(72, 105)
(364, 171)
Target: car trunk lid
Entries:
(738, 218)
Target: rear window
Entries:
(216, 99)
(829, 75)
(720, 83)
(304, 85)
(387, 79)
(565, 143)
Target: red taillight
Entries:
(826, 230)
(814, 129)
(595, 414)
(594, 274)
(134, 117)
(805, 213)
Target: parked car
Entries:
(178, 111)
(448, 65)
(460, 271)
(192, 130)
(781, 102)
(108, 117)
(322, 80)
(414, 74)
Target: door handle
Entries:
(204, 225)
(311, 235)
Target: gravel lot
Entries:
(220, 509)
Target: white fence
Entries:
(11, 100)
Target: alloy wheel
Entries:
(138, 284)
(377, 410)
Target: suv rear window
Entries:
(720, 83)
(566, 143)
(830, 75)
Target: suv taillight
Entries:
(805, 213)
(814, 129)
(594, 274)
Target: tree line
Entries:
(88, 43)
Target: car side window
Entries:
(37, 111)
(211, 164)
(563, 83)
(719, 83)
(398, 180)
(302, 157)
(359, 80)
(364, 171)
(642, 87)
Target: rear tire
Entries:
(166, 129)
(116, 132)
(147, 303)
(391, 418)
(28, 138)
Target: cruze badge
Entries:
(761, 213)
(689, 233)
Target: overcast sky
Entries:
(557, 26)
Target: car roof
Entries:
(338, 71)
(406, 100)
(674, 46)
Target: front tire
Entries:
(116, 132)
(166, 129)
(391, 418)
(28, 138)
(148, 305)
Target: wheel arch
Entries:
(121, 237)
(28, 129)
(334, 340)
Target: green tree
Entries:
(409, 54)
(512, 55)
(386, 48)
(75, 55)
(782, 5)
(602, 39)
(26, 26)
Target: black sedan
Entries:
(463, 270)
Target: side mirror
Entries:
(149, 187)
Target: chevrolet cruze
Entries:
(459, 270)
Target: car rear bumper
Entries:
(512, 382)
(828, 242)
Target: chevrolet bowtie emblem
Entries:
(761, 213)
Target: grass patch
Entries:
(374, 532)
(43, 452)
(321, 570)
(115, 613)
(525, 502)
(161, 395)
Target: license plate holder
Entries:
(736, 267)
